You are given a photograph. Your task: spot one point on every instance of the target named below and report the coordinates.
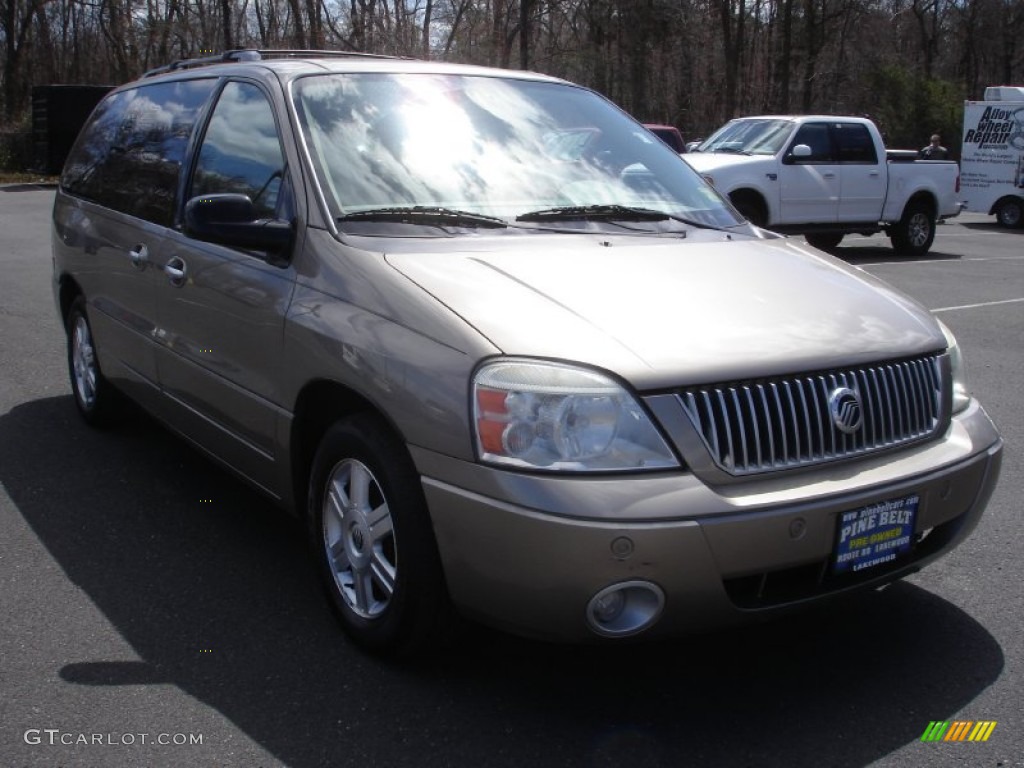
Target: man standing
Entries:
(935, 150)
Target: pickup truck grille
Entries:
(784, 423)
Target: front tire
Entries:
(373, 541)
(914, 233)
(751, 208)
(823, 241)
(97, 401)
(1010, 213)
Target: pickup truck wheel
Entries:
(1010, 213)
(97, 401)
(914, 233)
(751, 209)
(373, 541)
(824, 241)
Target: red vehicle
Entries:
(669, 134)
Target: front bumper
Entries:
(526, 553)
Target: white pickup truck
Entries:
(825, 177)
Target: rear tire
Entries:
(97, 401)
(824, 241)
(914, 233)
(372, 539)
(1010, 213)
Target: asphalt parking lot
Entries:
(156, 612)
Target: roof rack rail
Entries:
(256, 54)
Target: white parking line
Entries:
(938, 261)
(969, 234)
(883, 236)
(983, 304)
(995, 258)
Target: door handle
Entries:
(829, 175)
(176, 271)
(139, 257)
(873, 173)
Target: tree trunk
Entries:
(297, 33)
(426, 28)
(783, 74)
(524, 34)
(732, 44)
(225, 10)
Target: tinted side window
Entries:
(816, 136)
(84, 170)
(241, 152)
(853, 141)
(129, 157)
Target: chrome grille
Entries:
(782, 423)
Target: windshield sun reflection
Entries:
(488, 146)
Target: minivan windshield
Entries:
(749, 136)
(458, 150)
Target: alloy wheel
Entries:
(919, 229)
(359, 539)
(83, 358)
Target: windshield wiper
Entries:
(608, 213)
(730, 150)
(424, 214)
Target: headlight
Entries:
(542, 415)
(961, 397)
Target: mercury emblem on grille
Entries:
(844, 405)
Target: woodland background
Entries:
(909, 64)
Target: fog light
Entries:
(625, 609)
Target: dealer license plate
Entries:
(875, 534)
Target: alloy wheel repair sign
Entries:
(993, 147)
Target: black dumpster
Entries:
(58, 114)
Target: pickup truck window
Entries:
(854, 144)
(816, 136)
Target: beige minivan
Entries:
(508, 356)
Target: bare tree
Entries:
(691, 62)
(16, 18)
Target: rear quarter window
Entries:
(130, 155)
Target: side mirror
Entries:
(231, 219)
(799, 152)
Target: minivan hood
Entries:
(671, 313)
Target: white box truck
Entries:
(992, 158)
